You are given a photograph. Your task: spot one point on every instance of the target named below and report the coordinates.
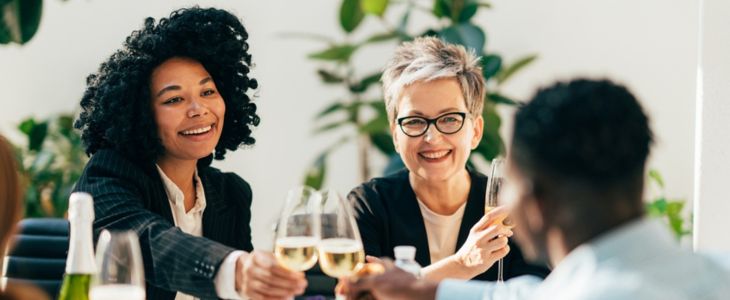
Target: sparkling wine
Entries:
(340, 257)
(296, 253)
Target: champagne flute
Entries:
(340, 250)
(297, 232)
(121, 273)
(494, 184)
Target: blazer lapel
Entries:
(217, 216)
(474, 207)
(159, 202)
(410, 212)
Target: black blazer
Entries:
(129, 195)
(388, 215)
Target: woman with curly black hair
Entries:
(153, 118)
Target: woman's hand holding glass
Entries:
(259, 276)
(486, 243)
(279, 275)
(493, 199)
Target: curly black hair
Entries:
(594, 131)
(116, 111)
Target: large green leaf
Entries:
(657, 208)
(65, 125)
(350, 15)
(329, 76)
(317, 172)
(490, 65)
(331, 126)
(377, 124)
(339, 53)
(491, 144)
(499, 98)
(362, 85)
(337, 106)
(26, 126)
(458, 11)
(469, 35)
(19, 20)
(35, 132)
(468, 11)
(403, 23)
(656, 177)
(383, 142)
(441, 8)
(674, 214)
(506, 73)
(381, 37)
(374, 7)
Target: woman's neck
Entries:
(443, 197)
(181, 172)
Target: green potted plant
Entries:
(51, 162)
(671, 211)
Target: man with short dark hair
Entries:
(574, 182)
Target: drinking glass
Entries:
(297, 232)
(121, 272)
(340, 249)
(495, 182)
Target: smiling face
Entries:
(435, 156)
(187, 107)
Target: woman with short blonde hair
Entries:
(434, 96)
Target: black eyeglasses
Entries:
(447, 123)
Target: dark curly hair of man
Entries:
(116, 110)
(593, 131)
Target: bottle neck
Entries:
(80, 253)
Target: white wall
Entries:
(649, 45)
(712, 145)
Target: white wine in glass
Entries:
(121, 273)
(340, 250)
(340, 257)
(297, 232)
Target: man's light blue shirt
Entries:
(640, 260)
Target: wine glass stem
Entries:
(500, 271)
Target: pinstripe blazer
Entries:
(129, 195)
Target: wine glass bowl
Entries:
(495, 183)
(121, 272)
(297, 232)
(340, 249)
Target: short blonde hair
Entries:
(10, 192)
(426, 59)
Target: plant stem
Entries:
(364, 146)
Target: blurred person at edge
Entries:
(11, 205)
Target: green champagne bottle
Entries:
(80, 263)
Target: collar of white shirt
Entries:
(177, 199)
